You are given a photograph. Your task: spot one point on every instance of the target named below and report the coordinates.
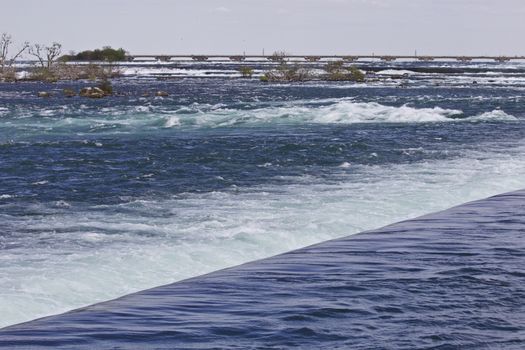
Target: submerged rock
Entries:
(69, 92)
(44, 94)
(92, 92)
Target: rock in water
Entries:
(69, 92)
(92, 92)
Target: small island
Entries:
(50, 65)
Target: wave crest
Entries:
(342, 112)
(495, 115)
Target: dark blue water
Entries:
(95, 151)
(101, 198)
(451, 280)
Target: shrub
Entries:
(336, 71)
(8, 74)
(278, 56)
(67, 92)
(286, 73)
(334, 66)
(106, 86)
(356, 74)
(62, 71)
(246, 72)
(105, 54)
(43, 74)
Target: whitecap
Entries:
(43, 182)
(495, 115)
(396, 72)
(61, 204)
(172, 121)
(341, 112)
(348, 112)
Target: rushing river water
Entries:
(447, 280)
(100, 198)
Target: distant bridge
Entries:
(316, 58)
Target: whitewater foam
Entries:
(495, 115)
(172, 121)
(342, 112)
(97, 253)
(396, 72)
(144, 117)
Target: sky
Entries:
(396, 27)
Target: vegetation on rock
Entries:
(46, 55)
(107, 54)
(246, 72)
(286, 72)
(44, 94)
(106, 87)
(92, 92)
(7, 60)
(69, 92)
(336, 71)
(278, 56)
(50, 66)
(62, 71)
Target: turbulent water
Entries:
(454, 277)
(99, 198)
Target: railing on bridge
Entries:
(388, 58)
(317, 58)
(199, 58)
(502, 59)
(163, 58)
(237, 58)
(312, 58)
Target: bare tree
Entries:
(5, 43)
(278, 56)
(46, 55)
